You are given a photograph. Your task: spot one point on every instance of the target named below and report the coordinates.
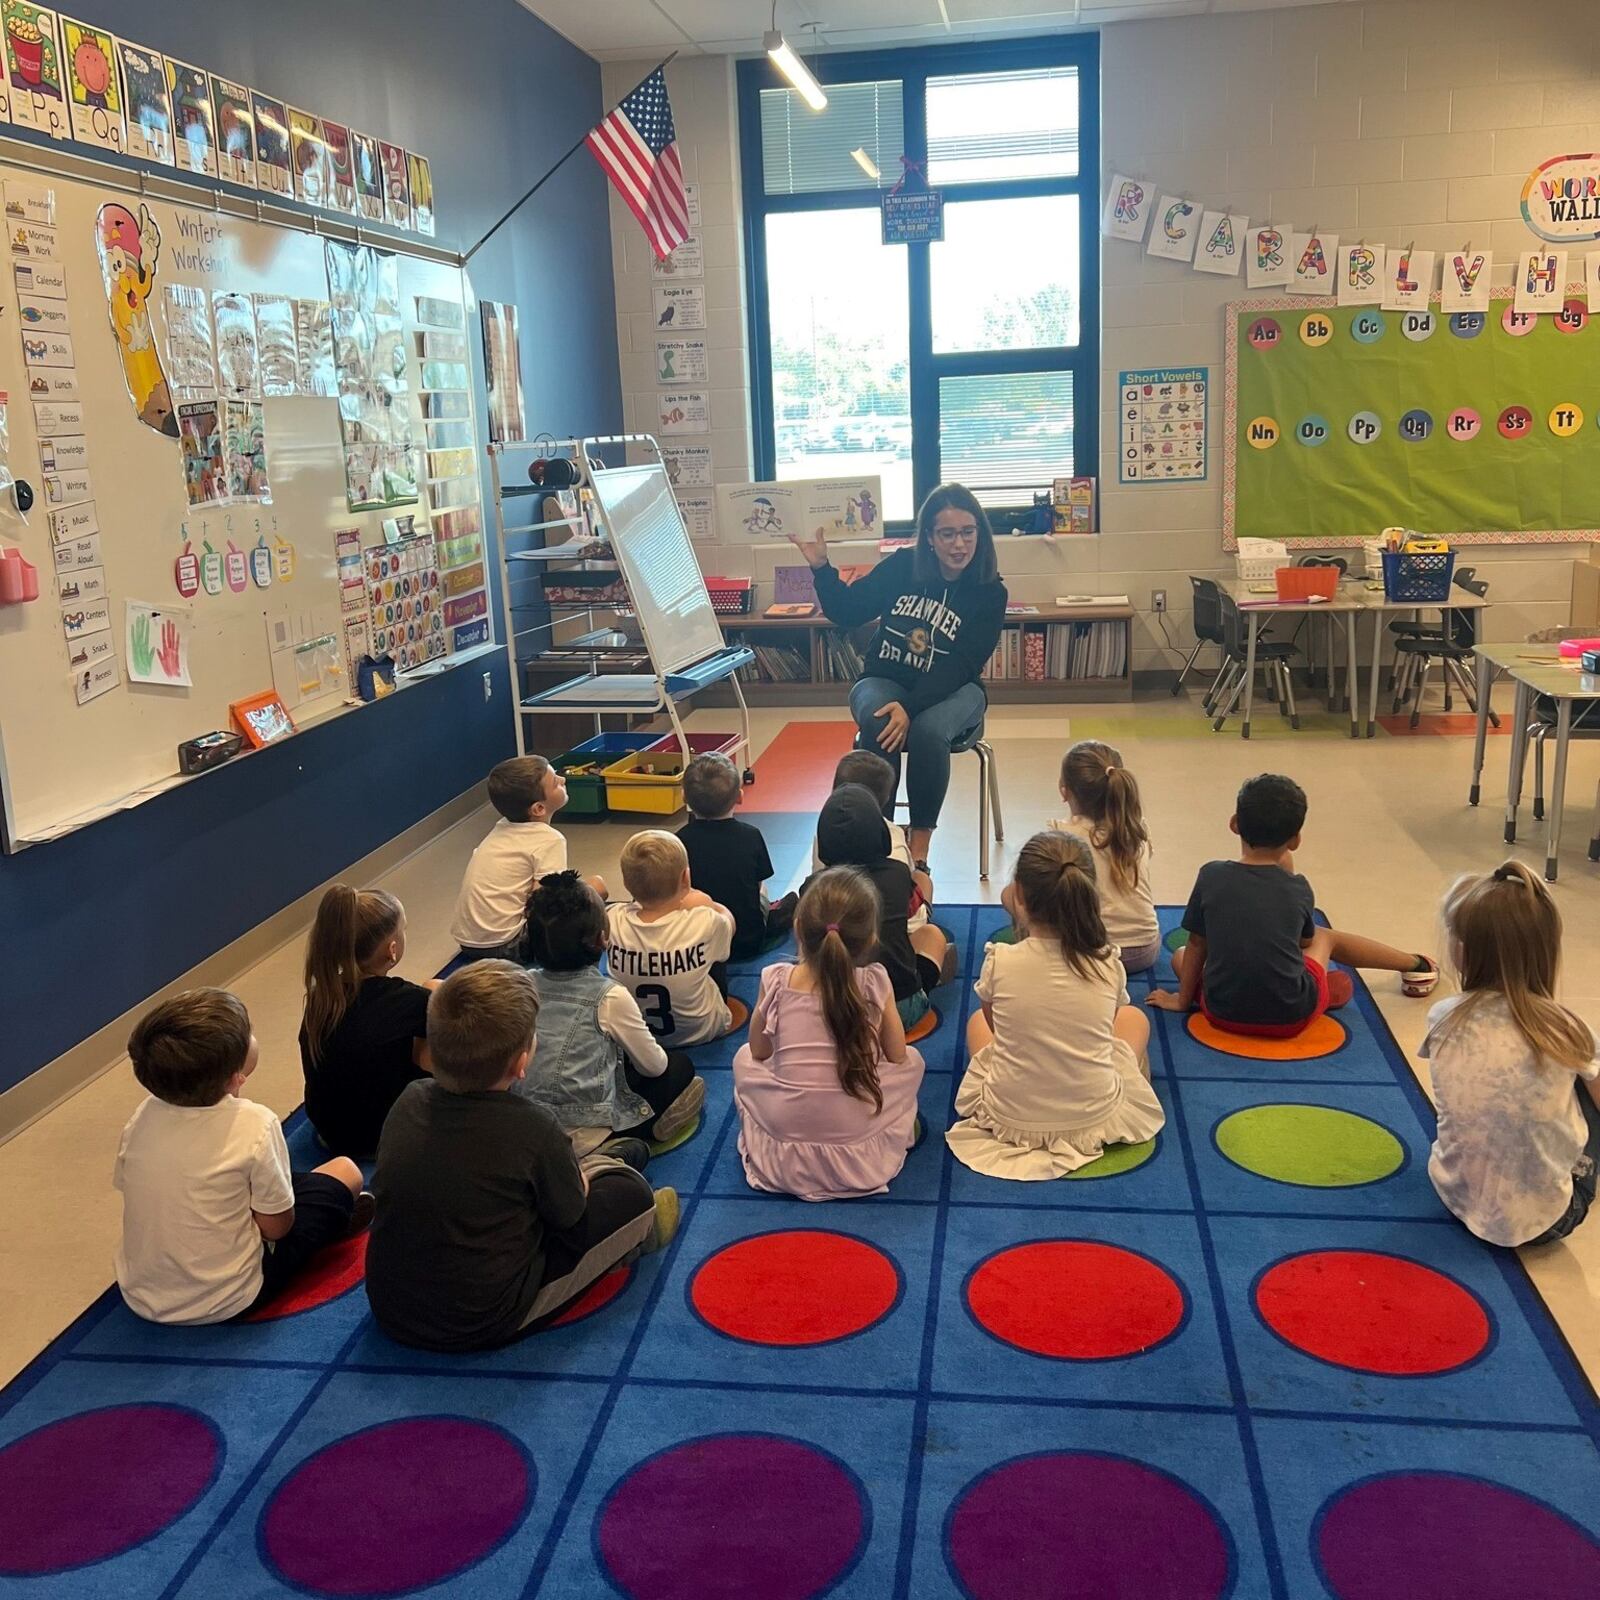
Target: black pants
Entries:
(322, 1207)
(614, 1227)
(660, 1092)
(501, 952)
(1583, 1182)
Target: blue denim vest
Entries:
(576, 1072)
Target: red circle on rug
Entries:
(1372, 1312)
(595, 1298)
(797, 1287)
(1076, 1300)
(335, 1272)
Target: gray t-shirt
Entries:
(467, 1186)
(1253, 920)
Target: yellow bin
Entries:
(651, 780)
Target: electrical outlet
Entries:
(488, 686)
(1158, 600)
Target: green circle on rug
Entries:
(1117, 1158)
(1177, 939)
(1316, 1147)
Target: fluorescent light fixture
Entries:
(795, 70)
(866, 163)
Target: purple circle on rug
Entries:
(729, 1516)
(1095, 1525)
(92, 1486)
(1440, 1535)
(397, 1507)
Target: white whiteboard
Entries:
(63, 763)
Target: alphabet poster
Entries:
(94, 93)
(1162, 425)
(33, 64)
(149, 105)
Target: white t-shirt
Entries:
(666, 964)
(190, 1176)
(1129, 912)
(492, 905)
(898, 851)
(1510, 1127)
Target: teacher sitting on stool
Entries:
(939, 607)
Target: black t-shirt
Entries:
(364, 1064)
(467, 1188)
(1253, 920)
(728, 860)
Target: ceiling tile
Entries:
(608, 27)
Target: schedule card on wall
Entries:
(1163, 418)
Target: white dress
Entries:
(1056, 1086)
(1129, 912)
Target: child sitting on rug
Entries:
(364, 1033)
(487, 1223)
(1256, 961)
(1514, 1073)
(1105, 813)
(827, 1086)
(1057, 1067)
(214, 1222)
(851, 832)
(597, 1068)
(728, 857)
(874, 774)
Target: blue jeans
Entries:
(951, 721)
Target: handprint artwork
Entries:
(158, 644)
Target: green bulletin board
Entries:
(1344, 420)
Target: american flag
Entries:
(637, 146)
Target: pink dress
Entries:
(799, 1132)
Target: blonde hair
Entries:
(1055, 877)
(1504, 933)
(480, 1020)
(1106, 795)
(653, 865)
(352, 926)
(836, 929)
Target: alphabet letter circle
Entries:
(1573, 317)
(1264, 333)
(1464, 423)
(1415, 426)
(1517, 323)
(1317, 329)
(1365, 426)
(1515, 422)
(1418, 325)
(1565, 419)
(1312, 430)
(1262, 433)
(1466, 324)
(1368, 327)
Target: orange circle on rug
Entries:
(596, 1297)
(1371, 1312)
(739, 1011)
(1076, 1300)
(800, 1286)
(335, 1272)
(1321, 1037)
(923, 1026)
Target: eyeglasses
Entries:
(956, 535)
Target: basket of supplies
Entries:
(1418, 577)
(651, 780)
(1258, 559)
(1307, 583)
(730, 597)
(583, 766)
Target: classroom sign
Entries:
(1478, 426)
(1162, 418)
(913, 217)
(1561, 199)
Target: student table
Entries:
(1536, 670)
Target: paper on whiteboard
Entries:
(191, 359)
(157, 643)
(238, 364)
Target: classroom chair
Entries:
(988, 792)
(1332, 626)
(1452, 646)
(1272, 658)
(1207, 628)
(1413, 627)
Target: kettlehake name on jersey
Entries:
(627, 963)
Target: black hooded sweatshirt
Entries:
(932, 637)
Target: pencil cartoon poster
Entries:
(396, 185)
(421, 175)
(308, 154)
(274, 173)
(93, 89)
(148, 104)
(130, 248)
(33, 64)
(236, 131)
(193, 123)
(341, 172)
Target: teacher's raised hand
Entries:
(814, 550)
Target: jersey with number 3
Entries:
(666, 963)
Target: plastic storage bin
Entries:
(1420, 579)
(586, 791)
(1306, 583)
(652, 780)
(1258, 559)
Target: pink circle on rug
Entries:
(1444, 1536)
(397, 1507)
(92, 1486)
(732, 1516)
(335, 1272)
(1079, 1523)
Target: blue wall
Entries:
(92, 923)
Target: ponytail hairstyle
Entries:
(1055, 878)
(1504, 933)
(566, 924)
(352, 926)
(1106, 795)
(836, 929)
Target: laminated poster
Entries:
(91, 650)
(94, 92)
(688, 465)
(502, 361)
(191, 356)
(681, 361)
(274, 170)
(682, 411)
(236, 131)
(238, 363)
(396, 185)
(149, 105)
(91, 682)
(308, 153)
(314, 374)
(421, 176)
(679, 305)
(52, 421)
(276, 341)
(194, 129)
(432, 313)
(157, 643)
(40, 278)
(33, 64)
(340, 166)
(1468, 275)
(246, 436)
(130, 251)
(43, 316)
(368, 167)
(30, 202)
(205, 472)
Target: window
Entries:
(975, 358)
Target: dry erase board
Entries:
(74, 746)
(1344, 420)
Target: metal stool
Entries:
(988, 793)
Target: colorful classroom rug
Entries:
(1250, 1359)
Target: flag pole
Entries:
(562, 162)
